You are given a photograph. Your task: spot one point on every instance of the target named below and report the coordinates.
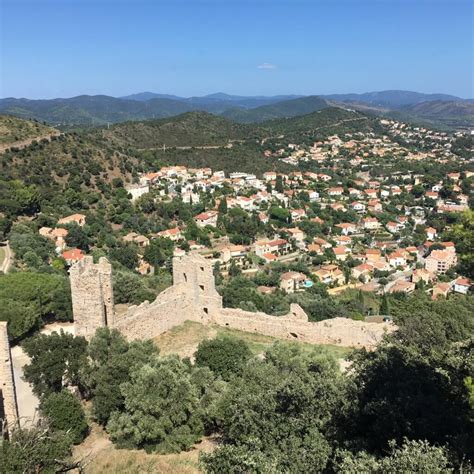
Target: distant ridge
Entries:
(87, 110)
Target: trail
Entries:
(24, 143)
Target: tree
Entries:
(162, 410)
(413, 456)
(65, 413)
(159, 251)
(38, 449)
(225, 356)
(222, 208)
(126, 255)
(273, 412)
(77, 237)
(384, 307)
(56, 361)
(112, 359)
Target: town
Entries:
(366, 220)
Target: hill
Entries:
(186, 130)
(15, 132)
(393, 99)
(287, 108)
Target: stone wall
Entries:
(8, 401)
(92, 295)
(194, 297)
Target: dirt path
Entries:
(24, 143)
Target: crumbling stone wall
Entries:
(92, 295)
(8, 400)
(194, 297)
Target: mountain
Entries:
(287, 108)
(448, 114)
(391, 98)
(91, 111)
(144, 96)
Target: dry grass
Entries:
(100, 456)
(183, 340)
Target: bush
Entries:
(65, 413)
(224, 356)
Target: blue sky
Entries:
(62, 48)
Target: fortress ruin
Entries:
(193, 297)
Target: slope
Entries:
(287, 108)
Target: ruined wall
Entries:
(294, 326)
(193, 297)
(8, 401)
(92, 295)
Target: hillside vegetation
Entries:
(14, 131)
(288, 108)
(189, 129)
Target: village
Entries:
(353, 228)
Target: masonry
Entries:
(193, 297)
(8, 401)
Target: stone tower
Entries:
(195, 273)
(92, 295)
(8, 401)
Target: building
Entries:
(462, 285)
(440, 261)
(206, 218)
(292, 281)
(79, 219)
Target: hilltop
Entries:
(186, 130)
(287, 108)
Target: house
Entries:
(313, 195)
(72, 256)
(440, 261)
(58, 234)
(172, 234)
(269, 257)
(79, 219)
(298, 235)
(402, 286)
(315, 248)
(397, 259)
(372, 255)
(371, 193)
(292, 281)
(336, 191)
(440, 289)
(341, 253)
(347, 228)
(330, 274)
(431, 233)
(269, 176)
(138, 239)
(371, 223)
(206, 218)
(358, 207)
(137, 190)
(297, 214)
(422, 274)
(374, 205)
(392, 226)
(431, 195)
(233, 252)
(277, 246)
(462, 285)
(364, 269)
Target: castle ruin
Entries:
(92, 295)
(193, 297)
(8, 401)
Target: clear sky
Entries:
(62, 48)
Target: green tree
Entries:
(65, 413)
(56, 361)
(225, 356)
(111, 358)
(38, 449)
(162, 410)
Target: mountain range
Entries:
(433, 109)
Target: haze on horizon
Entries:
(53, 48)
